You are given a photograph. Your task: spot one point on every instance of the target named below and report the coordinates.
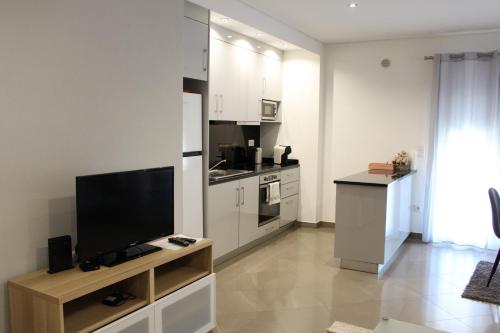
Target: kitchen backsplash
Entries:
(230, 133)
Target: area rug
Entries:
(340, 327)
(477, 290)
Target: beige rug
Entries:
(340, 327)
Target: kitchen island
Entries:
(372, 219)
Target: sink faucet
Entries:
(217, 164)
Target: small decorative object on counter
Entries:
(401, 161)
(381, 166)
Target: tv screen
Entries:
(119, 210)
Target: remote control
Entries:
(176, 240)
(190, 240)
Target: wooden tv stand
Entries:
(70, 301)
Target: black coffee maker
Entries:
(234, 155)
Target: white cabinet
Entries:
(239, 80)
(289, 205)
(142, 321)
(188, 310)
(249, 210)
(226, 83)
(233, 214)
(272, 78)
(223, 217)
(195, 43)
(288, 209)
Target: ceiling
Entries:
(331, 21)
(251, 32)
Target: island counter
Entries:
(372, 219)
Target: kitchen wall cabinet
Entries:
(226, 83)
(239, 80)
(233, 214)
(272, 80)
(223, 217)
(195, 43)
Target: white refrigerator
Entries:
(192, 166)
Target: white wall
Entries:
(86, 86)
(300, 127)
(372, 112)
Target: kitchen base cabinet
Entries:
(140, 321)
(289, 208)
(189, 310)
(223, 217)
(249, 210)
(233, 214)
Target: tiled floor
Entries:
(294, 284)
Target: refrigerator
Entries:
(192, 166)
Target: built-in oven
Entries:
(269, 204)
(270, 110)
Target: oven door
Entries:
(269, 110)
(267, 212)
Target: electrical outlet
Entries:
(251, 143)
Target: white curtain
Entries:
(466, 151)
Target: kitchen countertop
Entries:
(369, 178)
(258, 170)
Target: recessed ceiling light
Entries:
(258, 34)
(258, 46)
(229, 36)
(353, 5)
(224, 19)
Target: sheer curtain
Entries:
(466, 151)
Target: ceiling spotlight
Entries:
(224, 19)
(258, 34)
(229, 36)
(353, 5)
(258, 46)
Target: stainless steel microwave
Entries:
(270, 110)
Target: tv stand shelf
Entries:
(70, 301)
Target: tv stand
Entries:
(119, 257)
(171, 287)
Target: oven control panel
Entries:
(269, 178)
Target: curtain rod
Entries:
(432, 57)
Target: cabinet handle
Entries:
(221, 102)
(204, 60)
(216, 103)
(238, 197)
(243, 195)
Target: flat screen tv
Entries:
(118, 212)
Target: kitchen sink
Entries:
(222, 174)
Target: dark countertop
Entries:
(372, 179)
(258, 170)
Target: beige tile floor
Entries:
(293, 284)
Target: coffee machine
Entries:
(281, 154)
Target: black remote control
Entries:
(190, 240)
(176, 240)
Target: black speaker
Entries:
(60, 257)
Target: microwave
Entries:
(270, 110)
